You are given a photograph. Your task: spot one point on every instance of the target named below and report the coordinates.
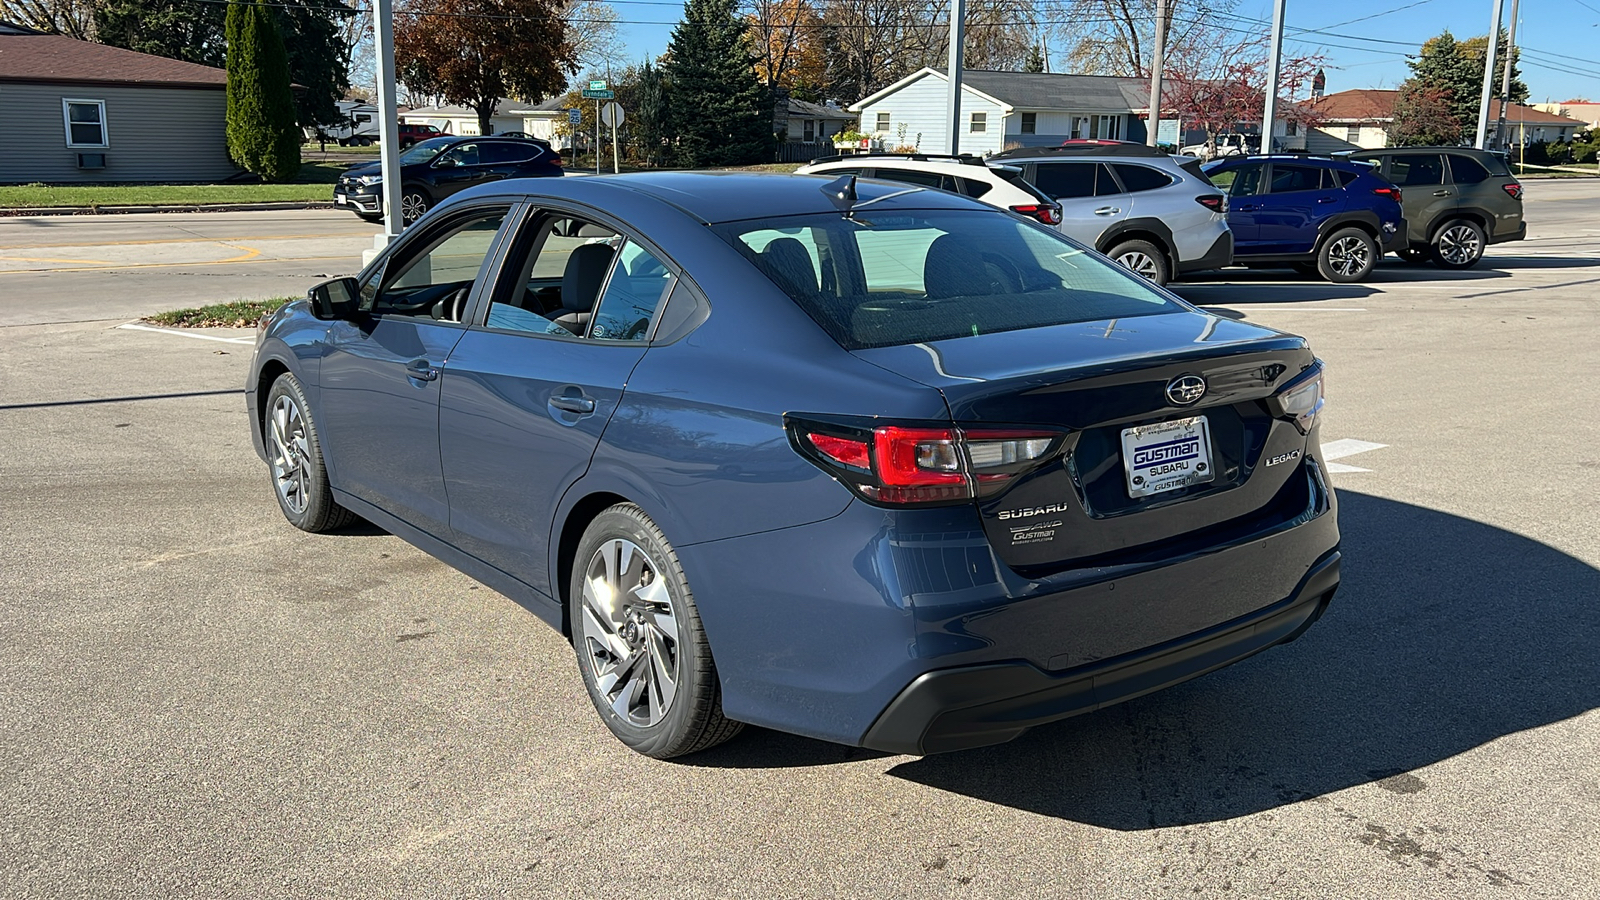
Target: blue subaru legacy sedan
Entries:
(879, 465)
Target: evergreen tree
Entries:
(261, 130)
(1035, 60)
(651, 124)
(192, 32)
(1456, 69)
(720, 110)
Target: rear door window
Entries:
(1287, 179)
(505, 152)
(1409, 169)
(1239, 181)
(1141, 178)
(1066, 180)
(1465, 170)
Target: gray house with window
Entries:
(1006, 109)
(77, 111)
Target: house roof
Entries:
(1038, 90)
(1367, 105)
(59, 59)
(803, 109)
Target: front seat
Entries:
(953, 269)
(580, 286)
(788, 263)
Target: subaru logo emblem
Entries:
(1186, 390)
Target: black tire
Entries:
(1458, 244)
(692, 719)
(1347, 255)
(295, 463)
(1415, 256)
(1143, 258)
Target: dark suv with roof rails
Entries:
(1320, 216)
(1457, 201)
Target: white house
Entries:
(459, 120)
(1361, 119)
(1005, 109)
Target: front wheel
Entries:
(1458, 245)
(413, 203)
(294, 458)
(1347, 255)
(641, 649)
(1142, 258)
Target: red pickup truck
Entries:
(410, 133)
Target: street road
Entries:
(198, 700)
(81, 268)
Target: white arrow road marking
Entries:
(1346, 447)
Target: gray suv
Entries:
(1156, 214)
(1457, 201)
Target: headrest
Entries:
(788, 263)
(586, 268)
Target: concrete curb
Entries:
(174, 208)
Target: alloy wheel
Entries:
(629, 631)
(1349, 256)
(1459, 245)
(412, 206)
(1141, 264)
(291, 453)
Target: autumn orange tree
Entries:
(474, 52)
(786, 38)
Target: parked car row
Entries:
(1168, 216)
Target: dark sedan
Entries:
(439, 167)
(871, 463)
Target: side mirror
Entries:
(336, 299)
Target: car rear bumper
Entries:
(1519, 233)
(1219, 256)
(974, 706)
(1394, 241)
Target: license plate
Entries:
(338, 200)
(1167, 456)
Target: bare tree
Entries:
(592, 32)
(1115, 37)
(73, 18)
(360, 57)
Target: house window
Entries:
(1080, 127)
(85, 123)
(810, 130)
(1291, 128)
(883, 122)
(1108, 127)
(1030, 123)
(1352, 134)
(980, 123)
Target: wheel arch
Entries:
(565, 547)
(1142, 228)
(1472, 214)
(271, 370)
(1365, 221)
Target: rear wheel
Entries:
(1142, 258)
(1458, 245)
(1347, 255)
(641, 649)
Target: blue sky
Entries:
(1556, 34)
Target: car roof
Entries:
(1387, 151)
(970, 166)
(1326, 162)
(713, 197)
(1116, 148)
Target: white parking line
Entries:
(135, 326)
(1346, 447)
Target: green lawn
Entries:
(311, 185)
(233, 314)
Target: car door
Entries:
(529, 389)
(1243, 185)
(1299, 198)
(1091, 199)
(379, 375)
(1427, 198)
(457, 169)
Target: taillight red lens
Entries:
(1514, 189)
(1214, 202)
(1047, 213)
(905, 465)
(1393, 193)
(557, 161)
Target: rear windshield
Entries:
(1014, 178)
(880, 280)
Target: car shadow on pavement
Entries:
(1446, 634)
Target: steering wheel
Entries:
(453, 305)
(636, 330)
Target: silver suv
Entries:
(1156, 214)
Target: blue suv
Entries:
(1321, 216)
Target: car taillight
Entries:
(1301, 399)
(1393, 193)
(1048, 213)
(1214, 202)
(1514, 189)
(556, 161)
(915, 464)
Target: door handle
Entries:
(571, 404)
(1326, 199)
(421, 370)
(1245, 208)
(1441, 193)
(1107, 211)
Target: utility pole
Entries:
(1156, 67)
(958, 15)
(1505, 82)
(1269, 111)
(389, 119)
(1488, 77)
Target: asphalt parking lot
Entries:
(198, 700)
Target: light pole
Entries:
(958, 15)
(1269, 110)
(1156, 66)
(389, 147)
(1505, 82)
(1488, 77)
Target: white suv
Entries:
(1001, 186)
